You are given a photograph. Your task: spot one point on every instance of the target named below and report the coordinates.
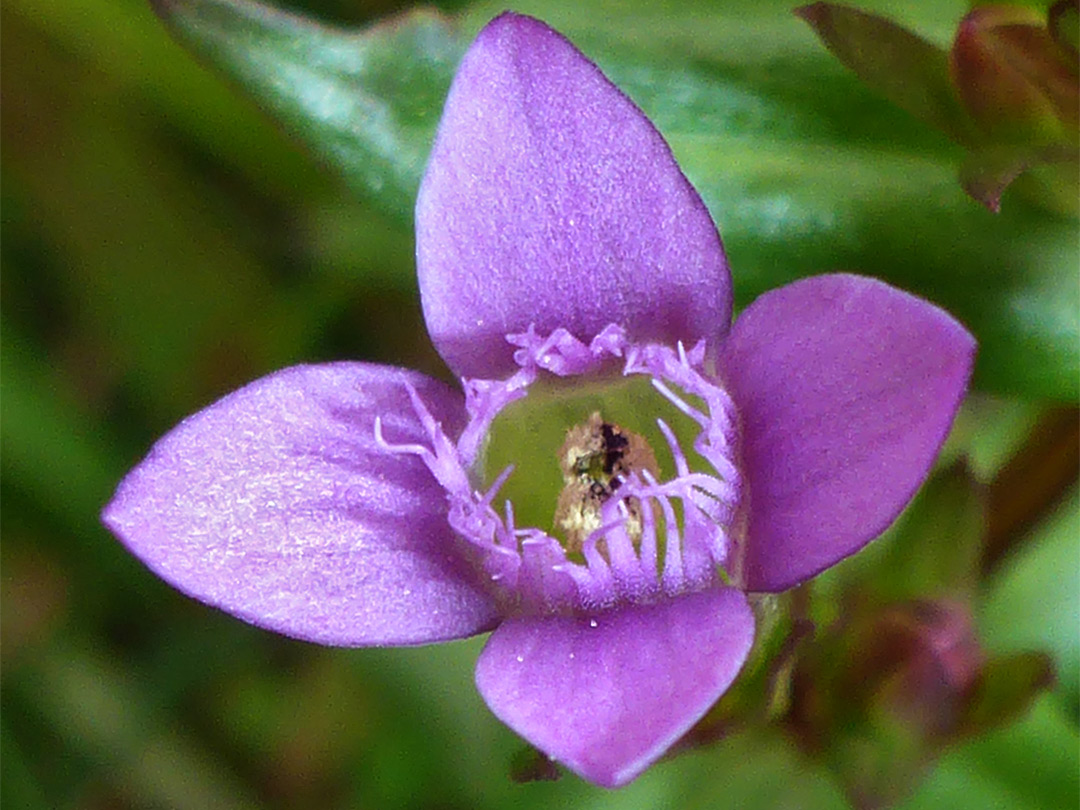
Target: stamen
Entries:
(511, 533)
(673, 574)
(676, 451)
(679, 403)
(496, 485)
(620, 547)
(647, 550)
(407, 449)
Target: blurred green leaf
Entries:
(101, 711)
(934, 549)
(150, 272)
(167, 266)
(988, 432)
(1034, 601)
(803, 169)
(1031, 765)
(754, 771)
(366, 102)
(1064, 25)
(1005, 689)
(986, 173)
(52, 450)
(18, 785)
(906, 69)
(119, 47)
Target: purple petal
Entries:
(551, 200)
(277, 505)
(609, 694)
(846, 389)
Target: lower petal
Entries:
(608, 694)
(278, 505)
(846, 389)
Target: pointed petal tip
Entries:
(550, 200)
(606, 696)
(165, 9)
(277, 505)
(812, 13)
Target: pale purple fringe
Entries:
(528, 568)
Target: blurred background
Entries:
(164, 242)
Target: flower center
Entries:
(596, 459)
(590, 515)
(557, 443)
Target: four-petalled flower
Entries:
(570, 275)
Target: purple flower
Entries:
(571, 277)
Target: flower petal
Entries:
(609, 694)
(277, 504)
(846, 389)
(550, 200)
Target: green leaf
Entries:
(932, 551)
(1005, 690)
(986, 173)
(20, 786)
(367, 103)
(903, 67)
(119, 53)
(989, 432)
(1034, 602)
(105, 713)
(1064, 25)
(804, 169)
(56, 453)
(1030, 765)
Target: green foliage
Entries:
(1006, 89)
(909, 71)
(366, 102)
(791, 155)
(1035, 603)
(163, 242)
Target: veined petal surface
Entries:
(278, 505)
(608, 694)
(550, 200)
(846, 389)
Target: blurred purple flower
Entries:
(560, 249)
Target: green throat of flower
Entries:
(572, 449)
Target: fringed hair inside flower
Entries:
(621, 530)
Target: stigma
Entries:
(596, 460)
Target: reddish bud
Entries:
(1017, 82)
(879, 697)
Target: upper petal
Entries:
(549, 199)
(606, 695)
(846, 389)
(277, 505)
